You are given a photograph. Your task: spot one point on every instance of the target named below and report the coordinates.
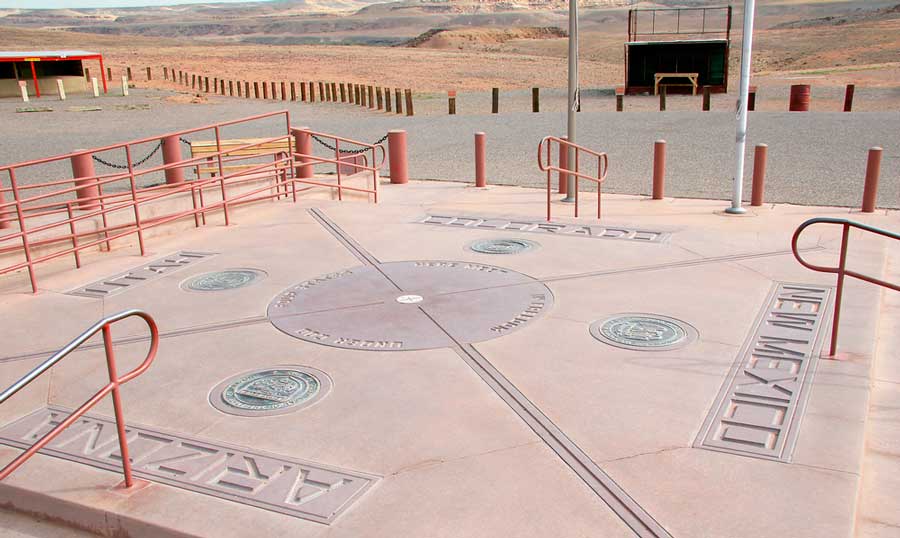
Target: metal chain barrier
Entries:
(349, 151)
(125, 167)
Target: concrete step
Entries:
(22, 525)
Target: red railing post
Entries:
(222, 176)
(549, 171)
(26, 246)
(873, 171)
(134, 201)
(117, 404)
(838, 294)
(3, 212)
(83, 167)
(337, 158)
(74, 233)
(480, 151)
(563, 187)
(759, 175)
(659, 169)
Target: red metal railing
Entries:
(602, 167)
(112, 387)
(55, 215)
(341, 161)
(841, 270)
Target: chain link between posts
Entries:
(349, 151)
(125, 166)
(188, 142)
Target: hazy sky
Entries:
(55, 4)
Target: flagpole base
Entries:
(736, 210)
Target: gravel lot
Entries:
(814, 158)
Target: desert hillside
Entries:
(456, 44)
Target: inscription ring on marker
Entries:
(643, 332)
(270, 391)
(410, 305)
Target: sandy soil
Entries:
(834, 52)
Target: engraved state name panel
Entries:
(759, 409)
(289, 486)
(540, 227)
(149, 271)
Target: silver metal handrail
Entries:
(113, 386)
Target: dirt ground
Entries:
(791, 44)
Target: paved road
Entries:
(814, 158)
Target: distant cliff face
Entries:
(303, 21)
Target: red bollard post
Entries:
(563, 164)
(873, 171)
(659, 169)
(171, 151)
(397, 156)
(303, 145)
(83, 167)
(759, 174)
(480, 151)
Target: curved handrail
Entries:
(841, 269)
(113, 386)
(602, 167)
(550, 168)
(851, 224)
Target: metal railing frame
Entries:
(279, 174)
(339, 160)
(115, 382)
(841, 270)
(602, 167)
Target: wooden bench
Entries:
(208, 147)
(691, 77)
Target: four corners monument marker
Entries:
(390, 380)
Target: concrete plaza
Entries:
(658, 372)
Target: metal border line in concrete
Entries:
(616, 498)
(221, 326)
(590, 274)
(355, 248)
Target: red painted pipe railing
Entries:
(564, 145)
(47, 215)
(841, 270)
(115, 381)
(341, 161)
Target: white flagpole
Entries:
(741, 138)
(573, 95)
